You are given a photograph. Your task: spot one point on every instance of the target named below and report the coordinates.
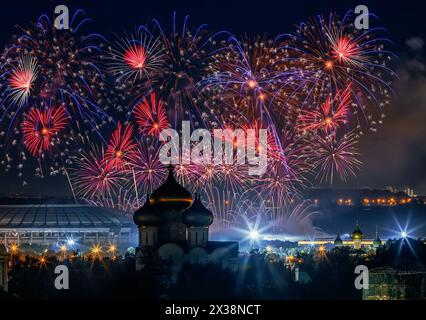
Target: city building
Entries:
(176, 226)
(388, 197)
(357, 237)
(357, 240)
(392, 284)
(4, 259)
(49, 224)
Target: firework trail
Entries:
(137, 59)
(251, 77)
(44, 68)
(336, 156)
(40, 127)
(121, 151)
(150, 173)
(60, 66)
(93, 178)
(22, 79)
(333, 113)
(151, 116)
(335, 55)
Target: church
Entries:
(176, 226)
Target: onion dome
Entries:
(357, 234)
(171, 194)
(338, 241)
(146, 215)
(197, 215)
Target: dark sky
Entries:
(396, 155)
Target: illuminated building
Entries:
(357, 237)
(363, 197)
(177, 228)
(47, 225)
(338, 241)
(391, 284)
(4, 259)
(357, 241)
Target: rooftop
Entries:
(61, 216)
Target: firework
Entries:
(49, 66)
(336, 156)
(40, 127)
(151, 116)
(22, 79)
(310, 90)
(280, 182)
(149, 172)
(123, 200)
(224, 206)
(121, 150)
(333, 113)
(252, 78)
(138, 59)
(274, 150)
(187, 56)
(336, 54)
(93, 178)
(206, 174)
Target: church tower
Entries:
(197, 219)
(357, 236)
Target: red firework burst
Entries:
(22, 78)
(39, 127)
(121, 150)
(151, 116)
(344, 50)
(332, 114)
(93, 178)
(135, 56)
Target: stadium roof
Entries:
(61, 216)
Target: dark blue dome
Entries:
(147, 215)
(197, 215)
(171, 195)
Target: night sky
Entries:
(395, 155)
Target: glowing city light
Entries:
(71, 242)
(254, 235)
(14, 249)
(112, 248)
(96, 250)
(404, 234)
